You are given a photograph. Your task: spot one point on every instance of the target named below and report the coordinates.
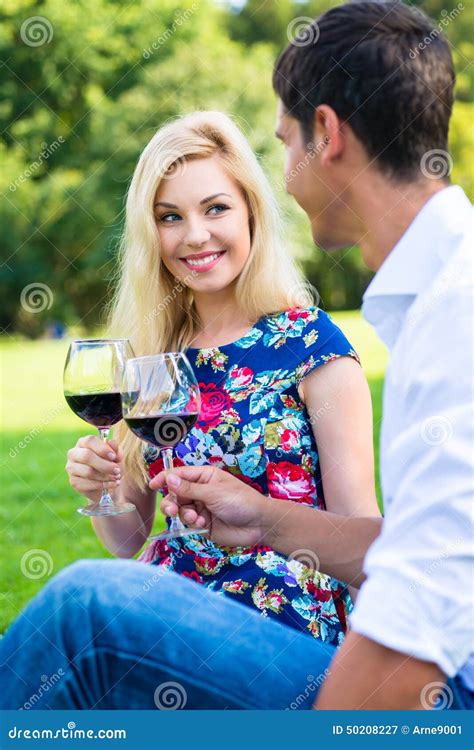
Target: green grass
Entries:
(38, 511)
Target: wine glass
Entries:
(92, 378)
(161, 403)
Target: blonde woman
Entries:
(285, 406)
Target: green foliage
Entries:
(77, 110)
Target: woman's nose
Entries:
(196, 234)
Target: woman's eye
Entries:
(169, 218)
(217, 208)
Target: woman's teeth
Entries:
(202, 261)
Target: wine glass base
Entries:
(96, 509)
(177, 533)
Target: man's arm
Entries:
(386, 679)
(239, 515)
(412, 622)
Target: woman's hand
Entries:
(91, 463)
(210, 498)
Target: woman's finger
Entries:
(98, 446)
(86, 486)
(86, 471)
(117, 450)
(89, 458)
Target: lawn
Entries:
(38, 511)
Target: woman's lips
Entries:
(203, 262)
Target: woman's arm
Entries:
(125, 535)
(337, 398)
(90, 464)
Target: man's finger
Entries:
(199, 474)
(168, 507)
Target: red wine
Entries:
(162, 430)
(99, 409)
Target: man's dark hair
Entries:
(385, 69)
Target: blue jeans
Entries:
(115, 634)
(107, 634)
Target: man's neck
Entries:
(386, 210)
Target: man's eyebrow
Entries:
(279, 135)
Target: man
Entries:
(116, 633)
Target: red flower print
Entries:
(242, 376)
(289, 481)
(214, 400)
(158, 466)
(289, 439)
(295, 314)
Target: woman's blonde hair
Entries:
(151, 307)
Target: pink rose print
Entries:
(296, 313)
(242, 376)
(214, 400)
(290, 482)
(289, 439)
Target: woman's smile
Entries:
(202, 262)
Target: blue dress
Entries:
(254, 425)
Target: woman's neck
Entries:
(221, 318)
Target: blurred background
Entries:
(84, 87)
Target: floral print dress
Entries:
(254, 425)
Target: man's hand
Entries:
(213, 499)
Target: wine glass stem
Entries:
(168, 466)
(105, 498)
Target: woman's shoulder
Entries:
(296, 322)
(305, 335)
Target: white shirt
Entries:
(418, 594)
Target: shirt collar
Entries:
(415, 260)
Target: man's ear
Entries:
(328, 133)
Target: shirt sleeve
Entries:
(418, 594)
(319, 342)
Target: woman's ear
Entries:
(327, 128)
